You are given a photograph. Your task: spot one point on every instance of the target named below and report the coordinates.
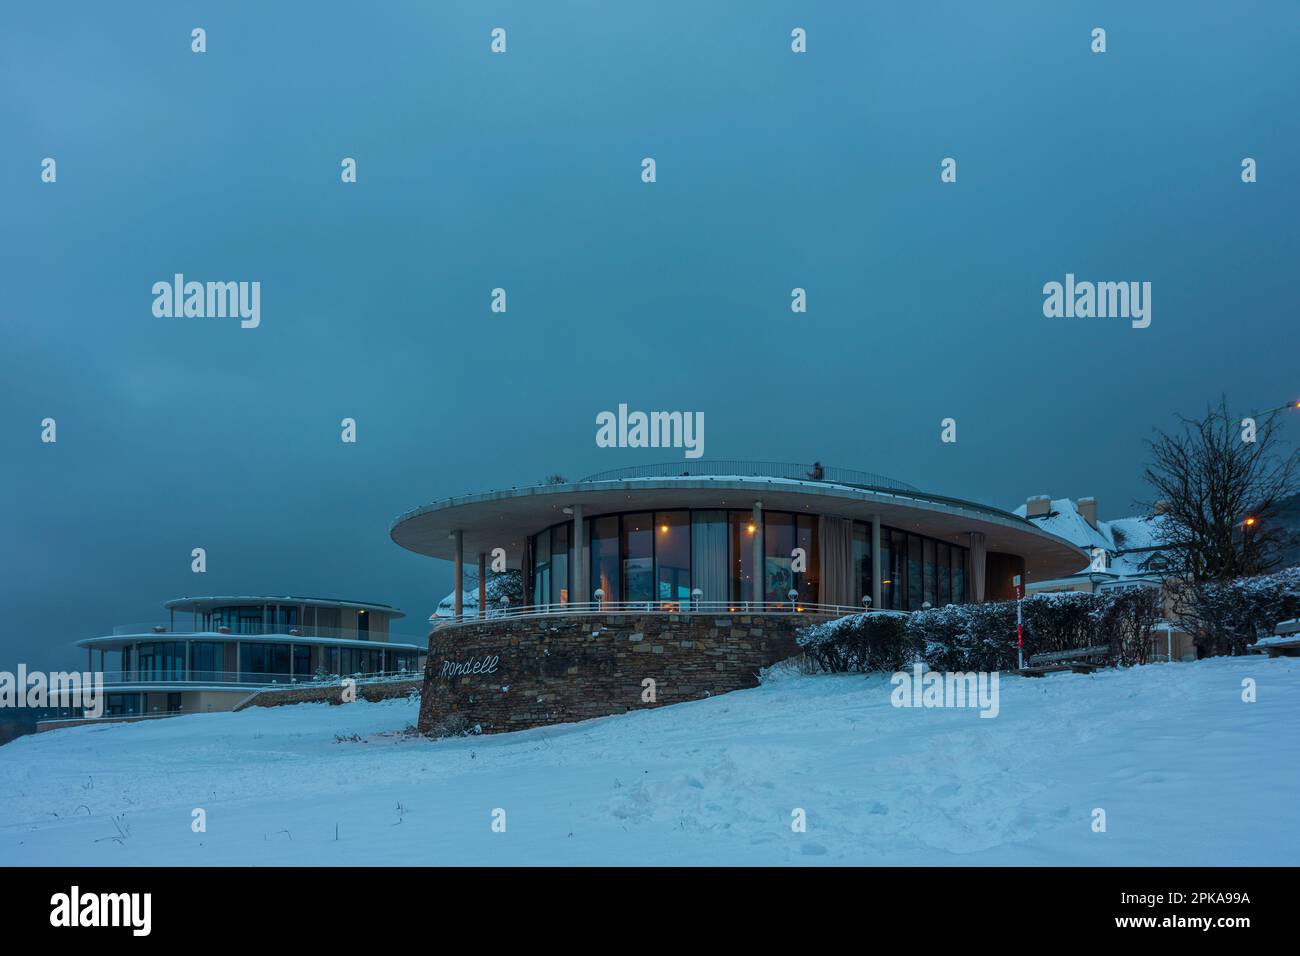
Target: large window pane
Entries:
(742, 556)
(604, 558)
(542, 568)
(207, 660)
(931, 595)
(943, 568)
(959, 575)
(778, 543)
(806, 581)
(560, 555)
(915, 576)
(164, 660)
(861, 561)
(673, 556)
(638, 557)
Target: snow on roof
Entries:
(1063, 519)
(1129, 542)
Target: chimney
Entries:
(1039, 506)
(1088, 508)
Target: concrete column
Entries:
(189, 658)
(482, 584)
(877, 572)
(577, 579)
(459, 561)
(760, 585)
(978, 559)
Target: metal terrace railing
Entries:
(728, 467)
(719, 608)
(239, 679)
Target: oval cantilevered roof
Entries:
(503, 519)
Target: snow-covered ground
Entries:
(1186, 772)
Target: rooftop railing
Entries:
(727, 467)
(720, 608)
(188, 629)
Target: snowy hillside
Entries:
(1186, 772)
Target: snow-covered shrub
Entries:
(1064, 621)
(1128, 621)
(862, 642)
(1227, 617)
(982, 637)
(966, 637)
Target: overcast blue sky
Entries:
(522, 171)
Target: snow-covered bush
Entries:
(1227, 617)
(1064, 621)
(982, 637)
(861, 642)
(966, 637)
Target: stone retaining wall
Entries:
(331, 693)
(501, 675)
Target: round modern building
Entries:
(669, 549)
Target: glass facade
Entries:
(673, 557)
(663, 557)
(638, 543)
(605, 576)
(741, 558)
(164, 660)
(207, 660)
(263, 659)
(861, 559)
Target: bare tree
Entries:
(1218, 493)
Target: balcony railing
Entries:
(204, 678)
(717, 468)
(187, 629)
(720, 608)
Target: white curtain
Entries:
(709, 554)
(836, 536)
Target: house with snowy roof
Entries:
(1124, 553)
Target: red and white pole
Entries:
(1020, 625)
